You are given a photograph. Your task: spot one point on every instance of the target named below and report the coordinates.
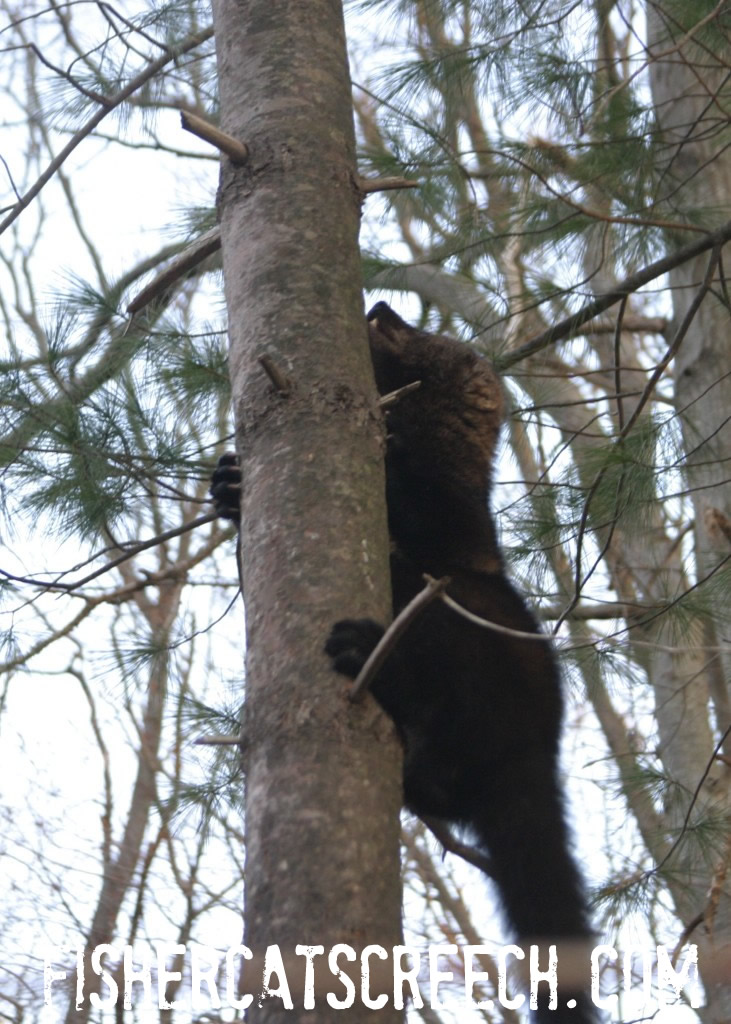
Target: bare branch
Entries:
(385, 645)
(179, 266)
(495, 627)
(567, 328)
(128, 553)
(236, 151)
(367, 185)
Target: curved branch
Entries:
(432, 590)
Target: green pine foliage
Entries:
(532, 132)
(101, 414)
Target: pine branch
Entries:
(110, 104)
(580, 579)
(129, 552)
(172, 573)
(567, 327)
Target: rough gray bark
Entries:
(323, 785)
(689, 80)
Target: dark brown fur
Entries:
(441, 444)
(479, 711)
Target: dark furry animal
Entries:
(225, 488)
(479, 711)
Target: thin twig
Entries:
(210, 517)
(130, 552)
(385, 645)
(675, 343)
(685, 935)
(585, 211)
(393, 397)
(494, 627)
(89, 93)
(618, 362)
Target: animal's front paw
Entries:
(225, 488)
(350, 642)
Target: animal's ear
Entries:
(388, 332)
(386, 317)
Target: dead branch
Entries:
(236, 151)
(178, 267)
(275, 375)
(394, 397)
(218, 741)
(367, 185)
(385, 645)
(568, 327)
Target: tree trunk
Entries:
(689, 79)
(323, 778)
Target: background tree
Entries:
(560, 150)
(608, 178)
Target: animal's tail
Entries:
(521, 828)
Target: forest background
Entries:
(559, 150)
